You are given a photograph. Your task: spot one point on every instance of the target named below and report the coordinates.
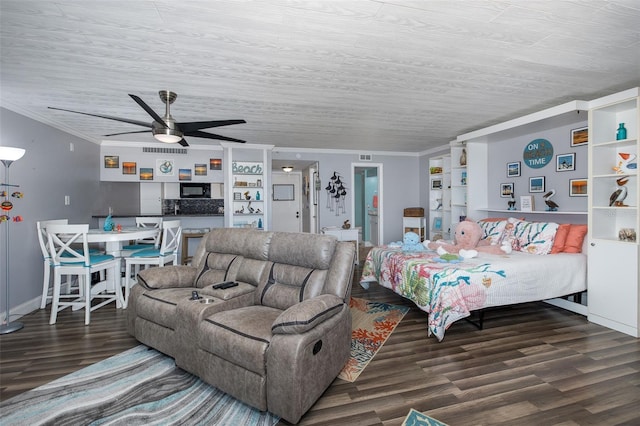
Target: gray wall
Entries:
(47, 172)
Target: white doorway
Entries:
(286, 203)
(367, 201)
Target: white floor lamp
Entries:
(8, 155)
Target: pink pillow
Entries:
(575, 238)
(560, 238)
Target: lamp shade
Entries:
(11, 154)
(167, 135)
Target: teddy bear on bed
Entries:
(409, 243)
(468, 242)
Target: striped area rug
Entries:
(137, 387)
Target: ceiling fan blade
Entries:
(199, 134)
(147, 108)
(108, 117)
(197, 125)
(126, 133)
(183, 142)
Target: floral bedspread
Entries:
(447, 291)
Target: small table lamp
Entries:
(8, 155)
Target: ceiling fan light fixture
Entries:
(167, 135)
(287, 169)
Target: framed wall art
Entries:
(200, 169)
(129, 168)
(436, 183)
(566, 162)
(146, 173)
(536, 184)
(580, 137)
(215, 164)
(506, 190)
(578, 187)
(513, 169)
(111, 162)
(184, 174)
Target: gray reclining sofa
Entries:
(275, 341)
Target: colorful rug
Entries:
(137, 387)
(416, 418)
(373, 323)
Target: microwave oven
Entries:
(195, 190)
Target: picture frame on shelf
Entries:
(578, 187)
(580, 136)
(184, 174)
(566, 162)
(513, 169)
(436, 183)
(526, 203)
(237, 196)
(215, 163)
(507, 190)
(200, 169)
(536, 184)
(437, 223)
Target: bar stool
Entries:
(187, 234)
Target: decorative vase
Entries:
(259, 223)
(258, 195)
(108, 224)
(622, 132)
(463, 157)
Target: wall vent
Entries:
(366, 157)
(165, 150)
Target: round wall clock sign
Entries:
(538, 153)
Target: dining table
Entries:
(113, 240)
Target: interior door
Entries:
(286, 204)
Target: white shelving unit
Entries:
(439, 197)
(614, 296)
(248, 169)
(459, 180)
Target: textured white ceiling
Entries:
(403, 75)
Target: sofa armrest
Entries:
(306, 315)
(172, 276)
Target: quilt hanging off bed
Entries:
(450, 291)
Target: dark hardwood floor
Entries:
(533, 364)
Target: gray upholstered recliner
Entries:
(278, 339)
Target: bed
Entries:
(450, 291)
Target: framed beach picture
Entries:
(578, 187)
(437, 223)
(506, 190)
(184, 174)
(513, 169)
(111, 162)
(580, 137)
(536, 184)
(146, 173)
(215, 164)
(129, 168)
(566, 162)
(200, 169)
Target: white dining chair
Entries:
(167, 253)
(145, 243)
(69, 260)
(42, 239)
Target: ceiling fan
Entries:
(166, 129)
